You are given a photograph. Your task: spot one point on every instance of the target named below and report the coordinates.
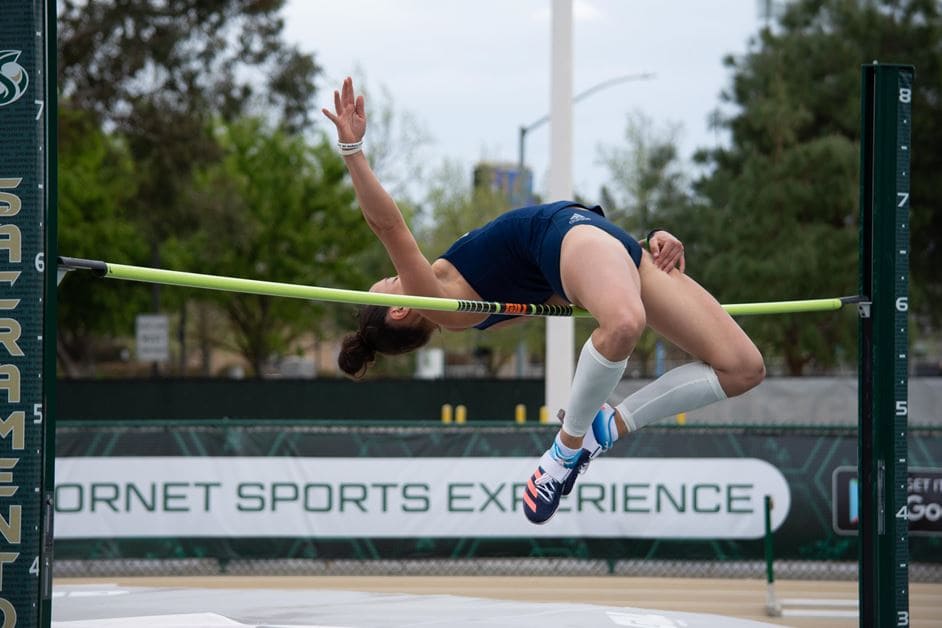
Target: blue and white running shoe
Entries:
(604, 431)
(601, 436)
(545, 487)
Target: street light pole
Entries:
(560, 334)
(524, 129)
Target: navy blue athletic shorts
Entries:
(515, 257)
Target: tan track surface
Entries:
(734, 597)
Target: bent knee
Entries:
(618, 336)
(753, 371)
(747, 372)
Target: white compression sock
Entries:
(559, 460)
(684, 388)
(594, 380)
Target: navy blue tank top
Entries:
(515, 257)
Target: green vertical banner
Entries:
(886, 107)
(23, 206)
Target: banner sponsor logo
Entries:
(408, 497)
(13, 77)
(923, 503)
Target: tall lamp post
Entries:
(524, 129)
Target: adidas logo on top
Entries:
(577, 218)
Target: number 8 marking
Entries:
(905, 94)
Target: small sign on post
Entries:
(152, 334)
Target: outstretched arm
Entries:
(379, 209)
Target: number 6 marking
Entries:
(902, 304)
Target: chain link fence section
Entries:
(521, 567)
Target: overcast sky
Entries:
(473, 71)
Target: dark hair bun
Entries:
(355, 355)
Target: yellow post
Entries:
(544, 414)
(446, 413)
(682, 418)
(520, 413)
(461, 414)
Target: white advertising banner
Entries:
(716, 498)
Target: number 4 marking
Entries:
(34, 568)
(903, 197)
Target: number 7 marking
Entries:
(41, 104)
(903, 197)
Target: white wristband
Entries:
(350, 149)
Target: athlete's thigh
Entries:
(682, 311)
(599, 275)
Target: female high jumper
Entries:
(559, 253)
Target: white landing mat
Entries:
(112, 606)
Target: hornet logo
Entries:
(13, 77)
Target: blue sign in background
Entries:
(923, 503)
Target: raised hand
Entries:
(349, 115)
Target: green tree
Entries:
(160, 72)
(275, 208)
(395, 142)
(647, 188)
(647, 182)
(779, 211)
(96, 178)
